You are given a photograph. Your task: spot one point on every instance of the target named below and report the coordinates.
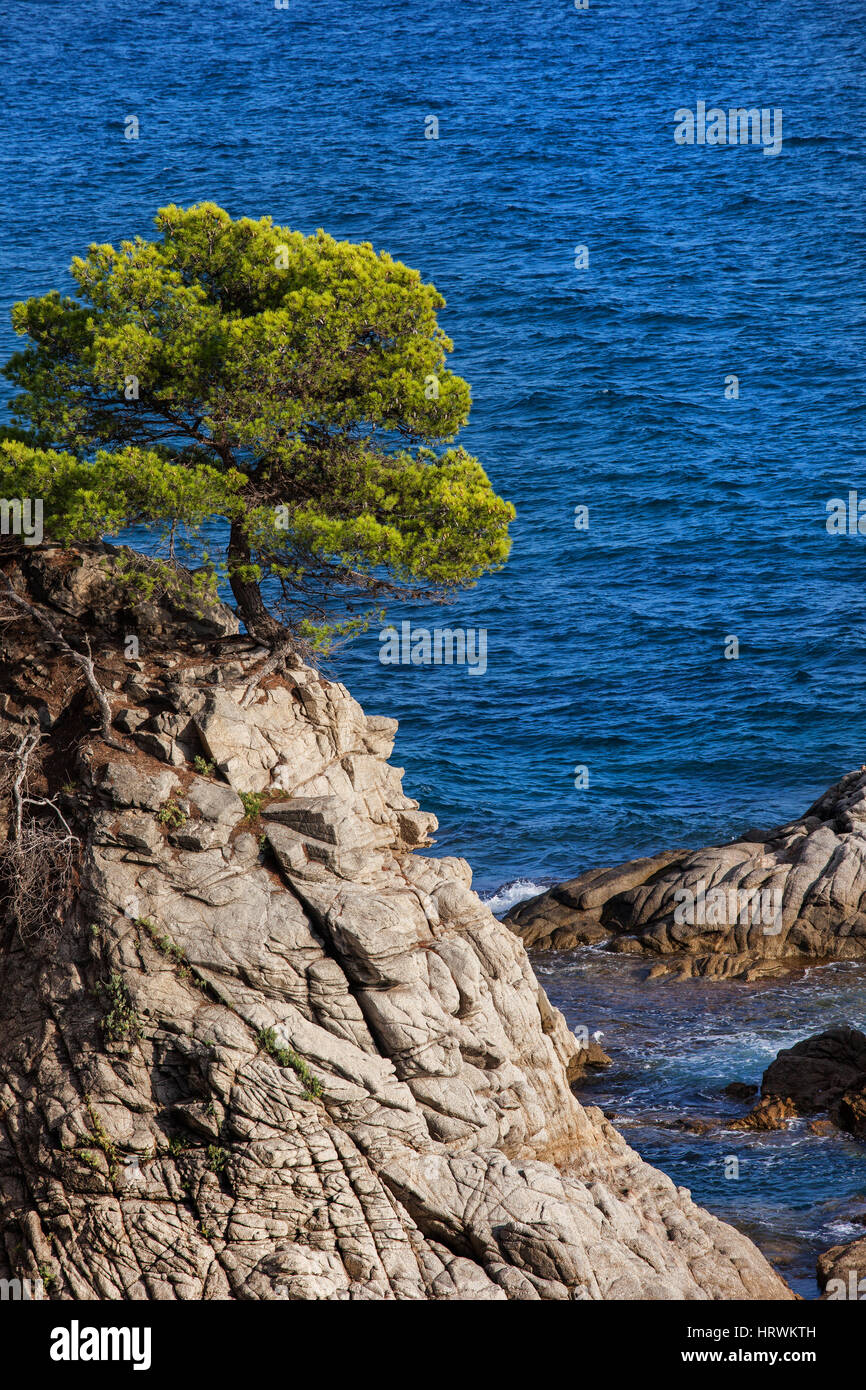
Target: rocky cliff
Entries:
(253, 1043)
(768, 902)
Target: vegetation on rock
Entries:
(293, 386)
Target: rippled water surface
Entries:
(675, 1046)
(602, 387)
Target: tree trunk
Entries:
(251, 606)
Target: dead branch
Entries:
(84, 663)
(37, 861)
(37, 880)
(21, 762)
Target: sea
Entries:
(665, 343)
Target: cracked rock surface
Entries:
(275, 1050)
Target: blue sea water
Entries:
(674, 1049)
(602, 387)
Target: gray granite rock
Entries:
(291, 1058)
(766, 903)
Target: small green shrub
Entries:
(285, 1057)
(217, 1158)
(164, 944)
(173, 953)
(171, 815)
(252, 804)
(202, 766)
(121, 1022)
(99, 1138)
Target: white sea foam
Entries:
(845, 1230)
(509, 894)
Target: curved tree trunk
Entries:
(251, 605)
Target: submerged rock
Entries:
(772, 1112)
(823, 1128)
(588, 1060)
(740, 1090)
(693, 1124)
(771, 901)
(262, 1048)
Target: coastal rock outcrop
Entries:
(588, 1060)
(771, 1112)
(255, 1043)
(842, 1272)
(768, 902)
(822, 1074)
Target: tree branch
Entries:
(277, 658)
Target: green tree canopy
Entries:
(295, 386)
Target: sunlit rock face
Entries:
(263, 1046)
